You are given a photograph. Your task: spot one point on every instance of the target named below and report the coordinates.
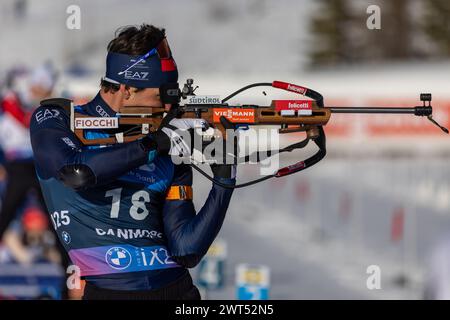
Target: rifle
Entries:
(307, 116)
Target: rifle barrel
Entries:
(417, 111)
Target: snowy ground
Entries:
(318, 250)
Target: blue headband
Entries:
(147, 71)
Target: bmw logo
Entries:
(66, 237)
(118, 258)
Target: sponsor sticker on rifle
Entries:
(96, 123)
(203, 100)
(303, 107)
(237, 115)
(294, 88)
(289, 87)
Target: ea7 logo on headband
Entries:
(135, 75)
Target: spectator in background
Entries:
(18, 166)
(16, 107)
(30, 240)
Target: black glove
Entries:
(167, 140)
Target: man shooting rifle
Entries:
(124, 212)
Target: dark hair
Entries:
(133, 40)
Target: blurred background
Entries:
(382, 195)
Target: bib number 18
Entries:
(138, 210)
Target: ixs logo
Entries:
(96, 123)
(158, 257)
(118, 258)
(234, 115)
(136, 75)
(46, 114)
